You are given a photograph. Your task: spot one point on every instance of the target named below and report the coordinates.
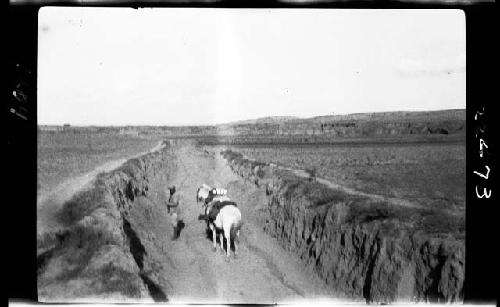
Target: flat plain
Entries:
(431, 174)
(64, 155)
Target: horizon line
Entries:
(243, 120)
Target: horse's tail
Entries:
(198, 195)
(235, 227)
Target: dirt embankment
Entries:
(364, 247)
(99, 254)
(116, 242)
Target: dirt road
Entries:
(263, 272)
(187, 270)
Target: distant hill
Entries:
(329, 127)
(412, 116)
(353, 125)
(263, 120)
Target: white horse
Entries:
(203, 192)
(229, 221)
(211, 202)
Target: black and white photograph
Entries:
(250, 156)
(189, 155)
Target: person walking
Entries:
(174, 212)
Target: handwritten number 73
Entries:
(486, 193)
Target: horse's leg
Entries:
(227, 234)
(235, 249)
(221, 239)
(213, 238)
(228, 241)
(235, 245)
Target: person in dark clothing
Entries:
(174, 212)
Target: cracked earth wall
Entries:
(100, 254)
(361, 247)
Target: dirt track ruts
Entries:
(263, 272)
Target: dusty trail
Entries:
(263, 272)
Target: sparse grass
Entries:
(116, 279)
(429, 174)
(391, 219)
(261, 173)
(366, 212)
(439, 222)
(312, 172)
(64, 155)
(232, 156)
(84, 202)
(316, 193)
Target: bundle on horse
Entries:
(225, 217)
(206, 193)
(218, 192)
(203, 192)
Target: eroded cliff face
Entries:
(362, 247)
(100, 254)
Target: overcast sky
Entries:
(165, 66)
